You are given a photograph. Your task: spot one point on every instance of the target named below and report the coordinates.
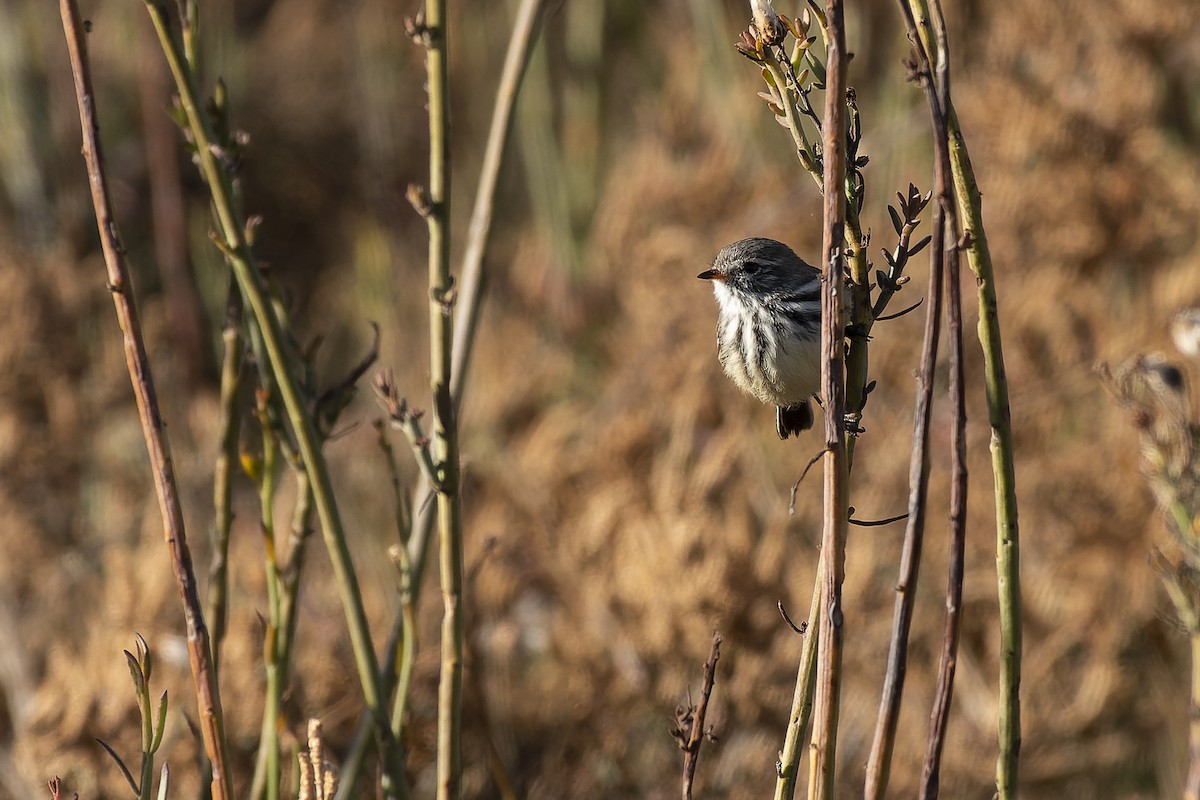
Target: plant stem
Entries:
(290, 575)
(470, 297)
(269, 751)
(1008, 554)
(802, 698)
(944, 693)
(516, 58)
(250, 280)
(445, 427)
(833, 388)
(695, 736)
(204, 677)
(223, 471)
(943, 247)
(1191, 788)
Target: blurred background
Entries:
(623, 499)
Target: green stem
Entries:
(267, 768)
(290, 577)
(223, 473)
(802, 698)
(1192, 784)
(445, 426)
(1008, 554)
(254, 290)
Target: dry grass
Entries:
(623, 499)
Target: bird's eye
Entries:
(751, 267)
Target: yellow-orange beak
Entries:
(711, 275)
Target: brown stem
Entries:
(1008, 535)
(168, 217)
(833, 387)
(691, 748)
(939, 97)
(136, 359)
(879, 762)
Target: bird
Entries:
(769, 327)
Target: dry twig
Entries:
(833, 387)
(690, 731)
(121, 288)
(879, 763)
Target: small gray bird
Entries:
(769, 326)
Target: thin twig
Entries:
(120, 286)
(876, 523)
(944, 693)
(797, 629)
(402, 634)
(880, 760)
(898, 314)
(833, 389)
(520, 45)
(267, 766)
(695, 736)
(803, 475)
(292, 569)
(224, 469)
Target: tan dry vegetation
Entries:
(623, 500)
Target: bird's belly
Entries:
(777, 368)
(799, 371)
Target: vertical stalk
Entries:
(267, 768)
(290, 577)
(833, 387)
(880, 760)
(223, 470)
(445, 428)
(470, 298)
(1191, 789)
(788, 768)
(234, 244)
(944, 694)
(1008, 553)
(208, 698)
(516, 58)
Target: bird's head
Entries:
(755, 267)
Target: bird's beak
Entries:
(711, 275)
